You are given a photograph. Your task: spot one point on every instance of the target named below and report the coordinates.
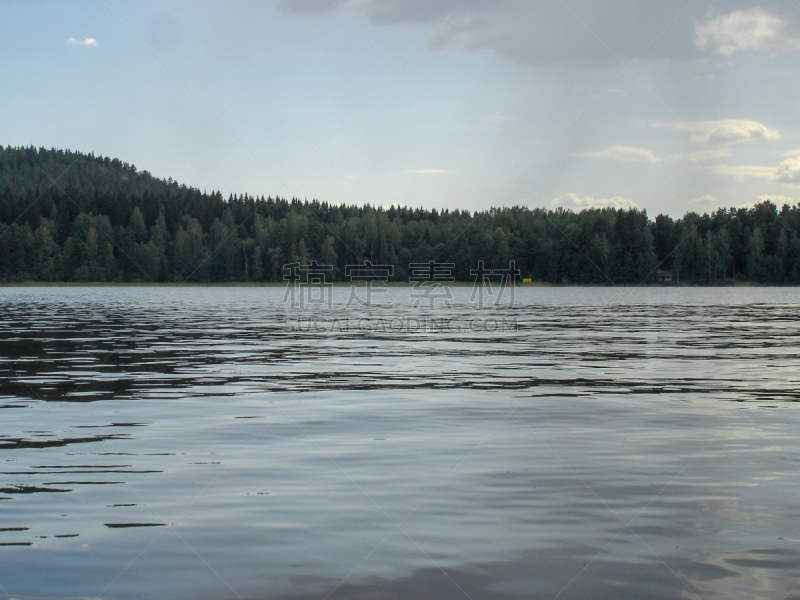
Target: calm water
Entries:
(618, 443)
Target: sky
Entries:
(665, 105)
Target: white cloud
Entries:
(787, 171)
(626, 153)
(702, 156)
(723, 131)
(577, 202)
(426, 171)
(750, 29)
(84, 42)
(741, 171)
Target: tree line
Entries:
(73, 217)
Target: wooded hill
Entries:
(67, 216)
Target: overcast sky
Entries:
(666, 105)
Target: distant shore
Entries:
(341, 284)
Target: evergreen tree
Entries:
(113, 222)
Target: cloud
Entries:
(749, 29)
(723, 131)
(577, 202)
(704, 200)
(626, 153)
(582, 33)
(787, 171)
(85, 42)
(703, 156)
(307, 7)
(742, 171)
(426, 171)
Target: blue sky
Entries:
(662, 105)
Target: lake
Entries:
(220, 443)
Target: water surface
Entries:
(208, 443)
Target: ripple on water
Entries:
(615, 443)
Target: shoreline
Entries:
(345, 284)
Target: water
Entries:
(618, 443)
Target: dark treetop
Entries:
(67, 216)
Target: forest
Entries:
(72, 217)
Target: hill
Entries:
(68, 216)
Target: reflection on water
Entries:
(186, 442)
